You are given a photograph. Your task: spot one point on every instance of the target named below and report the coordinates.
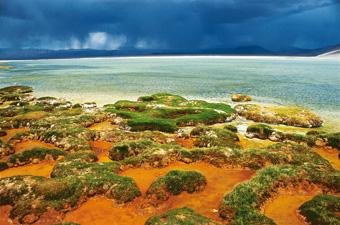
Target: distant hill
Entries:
(331, 54)
(22, 54)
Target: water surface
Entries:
(310, 82)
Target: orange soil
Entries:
(42, 169)
(31, 144)
(284, 209)
(101, 148)
(102, 211)
(12, 132)
(49, 217)
(105, 125)
(4, 215)
(331, 154)
(188, 143)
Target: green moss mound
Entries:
(5, 149)
(334, 140)
(242, 205)
(73, 180)
(67, 131)
(147, 123)
(3, 166)
(163, 98)
(127, 149)
(287, 115)
(261, 131)
(98, 178)
(29, 156)
(22, 192)
(174, 183)
(16, 89)
(180, 216)
(159, 155)
(330, 139)
(130, 105)
(212, 137)
(321, 209)
(165, 112)
(230, 127)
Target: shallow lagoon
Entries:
(310, 82)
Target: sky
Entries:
(169, 24)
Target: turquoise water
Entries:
(308, 82)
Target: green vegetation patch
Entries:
(312, 138)
(159, 155)
(230, 127)
(3, 166)
(67, 131)
(127, 149)
(130, 105)
(73, 180)
(29, 156)
(165, 112)
(212, 137)
(137, 153)
(330, 139)
(292, 116)
(163, 98)
(322, 209)
(30, 196)
(241, 206)
(15, 93)
(16, 89)
(261, 131)
(5, 149)
(180, 216)
(174, 183)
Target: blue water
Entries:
(308, 82)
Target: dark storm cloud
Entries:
(173, 24)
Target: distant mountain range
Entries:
(21, 54)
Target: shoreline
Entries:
(185, 57)
(330, 117)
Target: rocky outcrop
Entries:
(292, 116)
(240, 98)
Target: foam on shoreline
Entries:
(182, 57)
